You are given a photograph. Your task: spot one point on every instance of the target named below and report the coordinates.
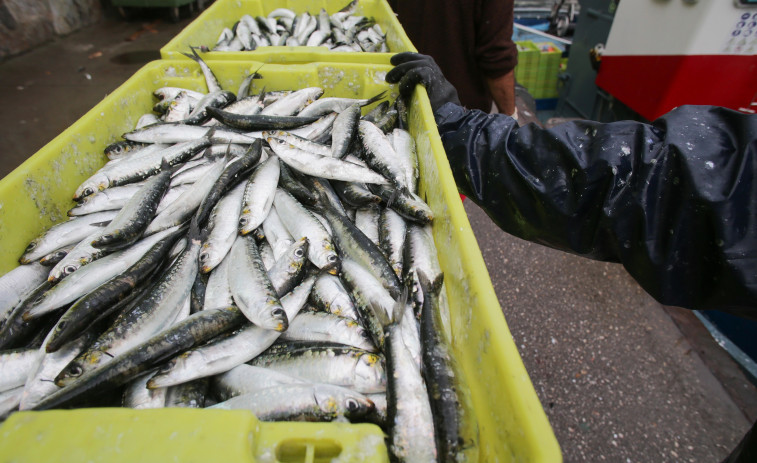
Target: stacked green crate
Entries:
(528, 64)
(547, 70)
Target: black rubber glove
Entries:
(412, 69)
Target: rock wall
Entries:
(25, 24)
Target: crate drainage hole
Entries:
(308, 451)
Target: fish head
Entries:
(277, 143)
(208, 260)
(29, 249)
(77, 368)
(97, 182)
(342, 401)
(357, 405)
(300, 249)
(106, 240)
(333, 264)
(58, 274)
(369, 373)
(278, 320)
(167, 375)
(364, 338)
(245, 219)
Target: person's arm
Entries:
(674, 201)
(495, 52)
(503, 92)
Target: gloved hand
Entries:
(412, 69)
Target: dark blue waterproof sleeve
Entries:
(674, 201)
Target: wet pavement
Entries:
(619, 378)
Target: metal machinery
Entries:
(661, 54)
(579, 95)
(638, 59)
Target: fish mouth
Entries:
(333, 268)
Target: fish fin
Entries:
(398, 310)
(100, 224)
(194, 56)
(375, 98)
(430, 287)
(173, 169)
(255, 74)
(108, 354)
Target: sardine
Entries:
(252, 289)
(310, 402)
(301, 222)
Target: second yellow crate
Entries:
(224, 13)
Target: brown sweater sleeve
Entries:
(496, 53)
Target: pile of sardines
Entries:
(342, 31)
(266, 252)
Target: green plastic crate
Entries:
(224, 13)
(538, 68)
(528, 62)
(512, 423)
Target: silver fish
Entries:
(15, 366)
(217, 291)
(146, 317)
(19, 283)
(276, 234)
(323, 166)
(343, 366)
(326, 327)
(183, 208)
(322, 402)
(301, 222)
(252, 289)
(138, 396)
(411, 421)
(65, 233)
(244, 379)
(330, 296)
(223, 229)
(109, 199)
(225, 353)
(91, 276)
(294, 102)
(258, 195)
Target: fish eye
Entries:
(62, 324)
(299, 252)
(69, 269)
(333, 258)
(75, 370)
(352, 405)
(278, 312)
(87, 191)
(243, 221)
(204, 256)
(31, 246)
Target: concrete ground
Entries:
(621, 378)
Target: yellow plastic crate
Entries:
(512, 423)
(224, 13)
